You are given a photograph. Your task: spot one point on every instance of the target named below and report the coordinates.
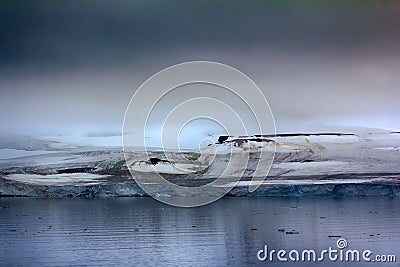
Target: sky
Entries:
(70, 68)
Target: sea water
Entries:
(231, 231)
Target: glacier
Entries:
(316, 164)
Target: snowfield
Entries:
(303, 164)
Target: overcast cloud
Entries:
(72, 67)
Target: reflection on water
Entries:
(144, 232)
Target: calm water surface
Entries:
(144, 232)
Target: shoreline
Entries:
(131, 189)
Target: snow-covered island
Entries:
(304, 164)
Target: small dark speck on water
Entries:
(253, 229)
